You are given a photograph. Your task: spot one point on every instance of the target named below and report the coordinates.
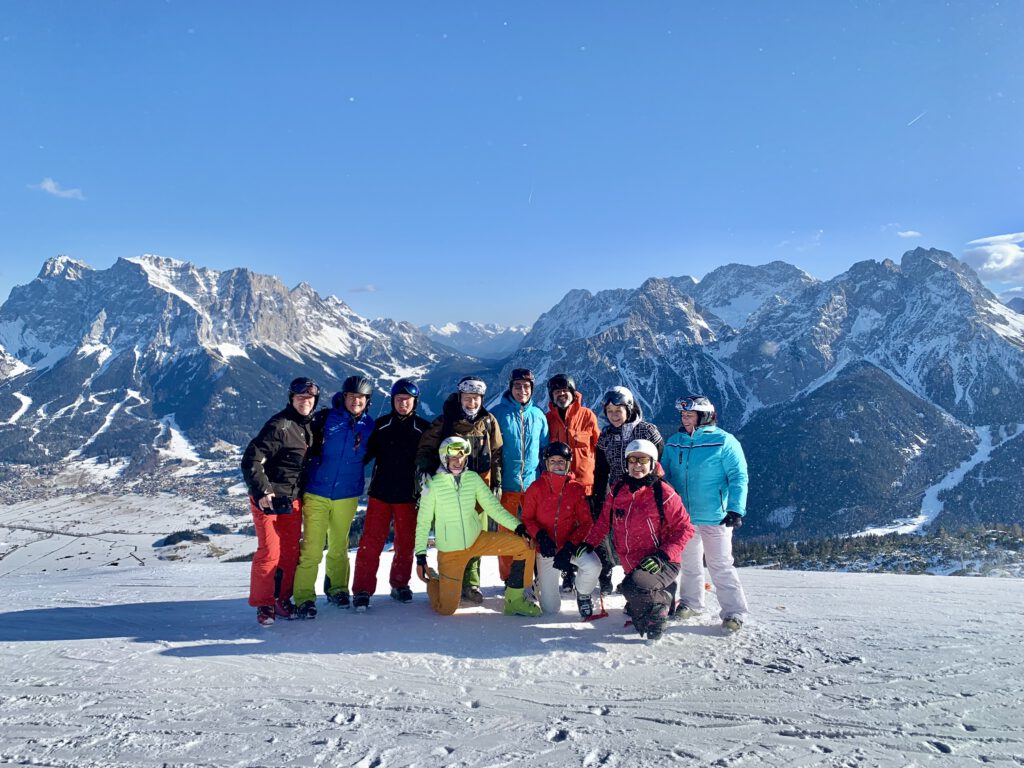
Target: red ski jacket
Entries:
(558, 505)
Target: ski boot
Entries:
(284, 608)
(472, 595)
(682, 613)
(732, 624)
(361, 602)
(517, 604)
(585, 605)
(568, 582)
(307, 610)
(340, 599)
(265, 615)
(656, 618)
(401, 594)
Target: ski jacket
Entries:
(448, 505)
(273, 460)
(577, 429)
(392, 449)
(334, 469)
(611, 453)
(524, 434)
(709, 471)
(638, 528)
(558, 505)
(482, 432)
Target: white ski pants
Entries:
(588, 571)
(549, 579)
(713, 543)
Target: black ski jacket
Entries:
(272, 462)
(392, 447)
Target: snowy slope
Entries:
(162, 664)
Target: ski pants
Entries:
(379, 515)
(549, 578)
(513, 502)
(643, 590)
(323, 520)
(277, 552)
(445, 591)
(714, 544)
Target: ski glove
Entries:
(563, 560)
(651, 564)
(732, 520)
(584, 549)
(522, 533)
(546, 544)
(421, 567)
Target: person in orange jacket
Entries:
(556, 514)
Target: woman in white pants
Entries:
(707, 468)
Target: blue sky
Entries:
(433, 162)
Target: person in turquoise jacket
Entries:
(706, 466)
(524, 436)
(335, 477)
(449, 506)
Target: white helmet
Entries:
(453, 446)
(645, 447)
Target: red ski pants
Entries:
(379, 515)
(277, 554)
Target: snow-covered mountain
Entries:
(485, 340)
(119, 362)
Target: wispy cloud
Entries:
(917, 118)
(908, 233)
(999, 257)
(52, 187)
(368, 288)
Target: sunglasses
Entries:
(642, 460)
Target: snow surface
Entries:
(163, 664)
(26, 402)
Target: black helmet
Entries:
(521, 374)
(405, 387)
(357, 385)
(304, 386)
(700, 405)
(561, 381)
(558, 449)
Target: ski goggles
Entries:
(304, 387)
(472, 387)
(616, 398)
(407, 388)
(693, 403)
(457, 450)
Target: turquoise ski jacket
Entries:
(524, 435)
(708, 471)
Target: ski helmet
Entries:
(701, 406)
(644, 448)
(304, 386)
(453, 446)
(521, 374)
(618, 396)
(357, 385)
(472, 385)
(558, 449)
(405, 387)
(561, 381)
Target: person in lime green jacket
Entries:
(448, 505)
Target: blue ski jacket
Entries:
(524, 435)
(708, 471)
(335, 460)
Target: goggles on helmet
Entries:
(457, 450)
(693, 403)
(405, 387)
(472, 387)
(615, 397)
(304, 387)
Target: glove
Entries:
(546, 544)
(421, 567)
(584, 549)
(652, 564)
(732, 520)
(523, 533)
(563, 560)
(422, 481)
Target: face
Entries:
(689, 419)
(562, 397)
(638, 465)
(557, 464)
(616, 414)
(470, 402)
(456, 464)
(403, 404)
(522, 391)
(303, 404)
(355, 403)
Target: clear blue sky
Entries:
(441, 161)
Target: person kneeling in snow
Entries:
(650, 528)
(557, 515)
(448, 505)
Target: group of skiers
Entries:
(556, 498)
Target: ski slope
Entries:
(163, 664)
